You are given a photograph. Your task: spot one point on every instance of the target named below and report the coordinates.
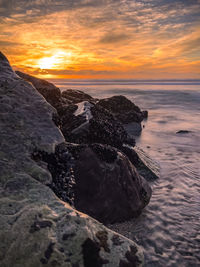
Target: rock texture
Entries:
(126, 112)
(83, 120)
(37, 228)
(123, 109)
(100, 126)
(76, 96)
(108, 186)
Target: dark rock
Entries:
(100, 126)
(76, 96)
(183, 132)
(123, 109)
(50, 92)
(104, 152)
(100, 185)
(145, 114)
(96, 125)
(60, 165)
(105, 128)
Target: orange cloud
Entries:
(103, 39)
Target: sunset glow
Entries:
(102, 39)
(55, 62)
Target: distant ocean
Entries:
(169, 227)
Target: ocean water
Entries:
(169, 227)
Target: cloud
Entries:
(103, 36)
(110, 38)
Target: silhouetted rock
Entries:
(108, 186)
(183, 132)
(123, 109)
(37, 228)
(50, 92)
(76, 96)
(90, 123)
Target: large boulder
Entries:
(89, 123)
(123, 109)
(108, 186)
(37, 228)
(126, 112)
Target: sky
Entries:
(102, 39)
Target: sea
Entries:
(169, 227)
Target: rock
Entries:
(183, 132)
(126, 112)
(50, 92)
(37, 228)
(133, 129)
(123, 109)
(146, 167)
(145, 114)
(60, 164)
(77, 127)
(104, 128)
(76, 96)
(96, 125)
(101, 127)
(108, 187)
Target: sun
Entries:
(46, 62)
(54, 62)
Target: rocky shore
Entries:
(65, 155)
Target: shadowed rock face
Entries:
(101, 127)
(50, 92)
(123, 109)
(108, 187)
(76, 96)
(37, 228)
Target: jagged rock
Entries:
(75, 124)
(76, 96)
(89, 123)
(123, 109)
(126, 112)
(60, 164)
(37, 228)
(108, 186)
(50, 92)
